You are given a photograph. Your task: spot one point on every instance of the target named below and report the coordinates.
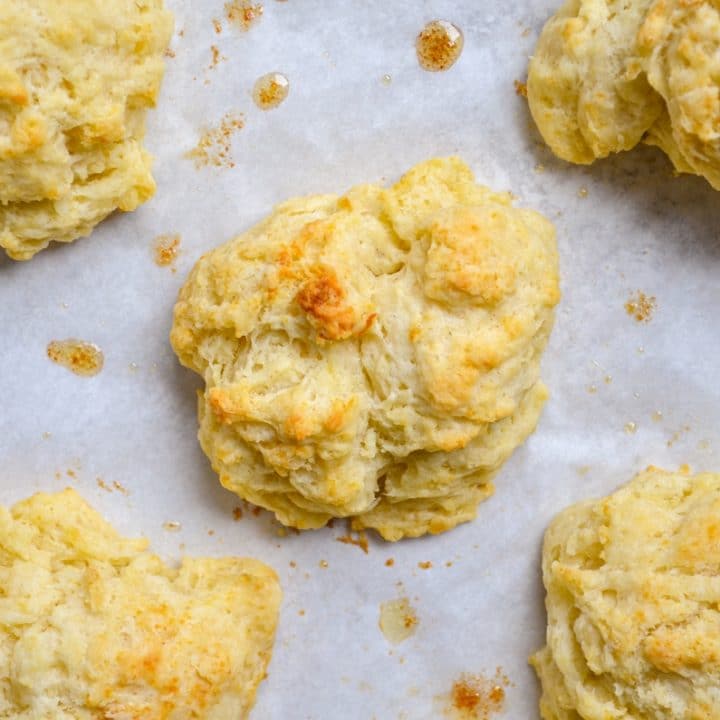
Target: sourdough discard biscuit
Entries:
(633, 591)
(607, 74)
(76, 79)
(374, 355)
(93, 627)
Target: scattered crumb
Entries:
(46, 435)
(217, 57)
(398, 620)
(583, 193)
(103, 485)
(425, 565)
(211, 533)
(389, 562)
(657, 416)
(237, 513)
(583, 470)
(256, 511)
(120, 488)
(165, 249)
(243, 14)
(520, 88)
(474, 697)
(526, 31)
(608, 379)
(301, 612)
(641, 306)
(281, 532)
(293, 564)
(592, 389)
(215, 144)
(80, 357)
(631, 428)
(71, 473)
(217, 25)
(169, 53)
(677, 435)
(448, 563)
(323, 564)
(171, 526)
(359, 541)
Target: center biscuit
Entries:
(375, 355)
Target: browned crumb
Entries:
(172, 526)
(243, 13)
(256, 511)
(103, 485)
(323, 564)
(448, 563)
(165, 249)
(521, 89)
(677, 435)
(301, 612)
(80, 357)
(425, 565)
(71, 473)
(217, 25)
(237, 513)
(120, 488)
(215, 144)
(359, 541)
(389, 562)
(217, 57)
(583, 192)
(641, 306)
(169, 53)
(211, 533)
(331, 523)
(474, 697)
(293, 564)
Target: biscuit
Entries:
(375, 355)
(76, 80)
(603, 78)
(633, 589)
(94, 627)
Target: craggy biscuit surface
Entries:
(93, 627)
(633, 591)
(607, 74)
(374, 355)
(76, 79)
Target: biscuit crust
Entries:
(95, 627)
(374, 355)
(76, 80)
(633, 586)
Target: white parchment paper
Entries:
(637, 229)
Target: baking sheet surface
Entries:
(624, 394)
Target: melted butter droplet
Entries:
(630, 428)
(439, 45)
(271, 90)
(80, 357)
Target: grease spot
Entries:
(271, 90)
(439, 45)
(80, 357)
(641, 306)
(398, 620)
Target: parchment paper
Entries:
(638, 228)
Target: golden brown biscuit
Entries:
(587, 90)
(633, 590)
(94, 627)
(374, 355)
(606, 75)
(76, 79)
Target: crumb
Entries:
(592, 389)
(301, 612)
(425, 565)
(521, 89)
(582, 193)
(46, 435)
(256, 511)
(217, 57)
(165, 249)
(323, 564)
(171, 526)
(103, 485)
(169, 53)
(293, 564)
(211, 533)
(237, 514)
(448, 563)
(215, 144)
(657, 416)
(583, 470)
(120, 488)
(71, 473)
(640, 306)
(677, 435)
(477, 697)
(631, 428)
(389, 562)
(217, 25)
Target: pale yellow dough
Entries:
(607, 74)
(374, 355)
(633, 598)
(94, 627)
(76, 80)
